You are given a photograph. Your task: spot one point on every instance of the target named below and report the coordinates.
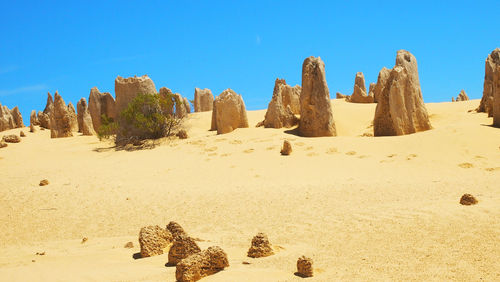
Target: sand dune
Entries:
(362, 208)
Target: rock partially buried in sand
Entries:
(182, 134)
(491, 85)
(129, 245)
(183, 247)
(468, 199)
(359, 94)
(304, 267)
(34, 118)
(316, 118)
(61, 119)
(85, 124)
(10, 119)
(462, 96)
(260, 247)
(278, 115)
(32, 128)
(175, 229)
(201, 264)
(11, 138)
(3, 144)
(127, 88)
(203, 100)
(401, 109)
(229, 112)
(44, 182)
(154, 240)
(44, 117)
(287, 148)
(22, 134)
(100, 104)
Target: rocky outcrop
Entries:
(462, 96)
(32, 128)
(229, 112)
(44, 117)
(11, 138)
(359, 94)
(201, 264)
(154, 240)
(468, 200)
(22, 134)
(203, 100)
(60, 119)
(291, 97)
(3, 144)
(34, 118)
(491, 85)
(401, 109)
(260, 247)
(383, 75)
(341, 96)
(180, 107)
(85, 125)
(183, 247)
(278, 115)
(167, 93)
(286, 149)
(127, 88)
(73, 117)
(187, 105)
(175, 229)
(10, 119)
(101, 104)
(453, 99)
(304, 267)
(316, 118)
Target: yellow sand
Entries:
(363, 208)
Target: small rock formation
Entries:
(175, 229)
(401, 109)
(359, 94)
(462, 96)
(34, 118)
(127, 88)
(10, 119)
(164, 91)
(287, 148)
(468, 199)
(21, 134)
(11, 138)
(228, 112)
(491, 85)
(201, 264)
(3, 144)
(44, 182)
(383, 76)
(316, 118)
(73, 117)
(180, 107)
(129, 245)
(278, 115)
(371, 90)
(61, 119)
(187, 105)
(291, 97)
(453, 99)
(183, 247)
(153, 240)
(260, 247)
(341, 96)
(85, 125)
(32, 128)
(203, 100)
(304, 267)
(101, 104)
(182, 134)
(44, 117)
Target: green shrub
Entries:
(107, 128)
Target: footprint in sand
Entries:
(411, 156)
(491, 169)
(299, 144)
(220, 140)
(391, 155)
(212, 154)
(248, 151)
(351, 153)
(466, 165)
(211, 149)
(309, 148)
(363, 156)
(312, 154)
(332, 150)
(235, 142)
(271, 148)
(225, 155)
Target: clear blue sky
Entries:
(72, 46)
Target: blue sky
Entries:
(72, 46)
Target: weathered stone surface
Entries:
(468, 199)
(44, 118)
(341, 96)
(73, 117)
(32, 128)
(462, 96)
(167, 93)
(34, 118)
(127, 88)
(491, 85)
(85, 125)
(154, 240)
(183, 247)
(187, 105)
(182, 134)
(278, 115)
(175, 229)
(101, 104)
(401, 109)
(291, 97)
(316, 118)
(229, 112)
(11, 138)
(359, 94)
(43, 182)
(203, 100)
(180, 108)
(304, 267)
(201, 264)
(383, 76)
(3, 144)
(287, 148)
(22, 134)
(60, 119)
(10, 119)
(260, 247)
(371, 90)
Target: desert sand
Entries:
(363, 208)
